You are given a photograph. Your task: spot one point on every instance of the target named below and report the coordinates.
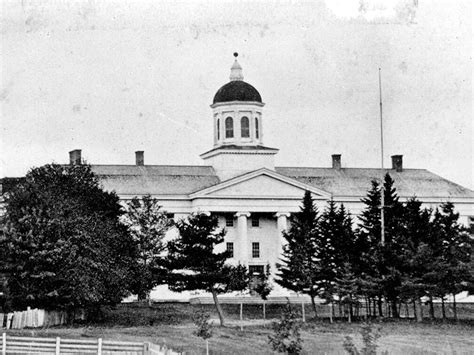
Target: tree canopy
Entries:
(426, 253)
(147, 224)
(300, 270)
(63, 245)
(196, 265)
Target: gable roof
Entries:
(357, 181)
(257, 191)
(155, 179)
(187, 179)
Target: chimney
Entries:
(139, 157)
(75, 157)
(336, 161)
(397, 163)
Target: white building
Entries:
(252, 197)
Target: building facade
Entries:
(253, 198)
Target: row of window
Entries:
(229, 221)
(255, 249)
(244, 128)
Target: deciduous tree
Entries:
(147, 223)
(287, 334)
(63, 244)
(262, 286)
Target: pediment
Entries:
(262, 183)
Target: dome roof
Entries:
(237, 90)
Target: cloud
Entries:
(384, 11)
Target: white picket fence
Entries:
(56, 346)
(32, 318)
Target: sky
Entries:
(111, 78)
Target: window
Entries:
(244, 127)
(229, 221)
(255, 250)
(230, 249)
(256, 127)
(218, 130)
(255, 221)
(170, 216)
(229, 127)
(256, 269)
(471, 225)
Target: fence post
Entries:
(241, 316)
(58, 345)
(99, 346)
(146, 348)
(302, 311)
(330, 312)
(4, 343)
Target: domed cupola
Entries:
(237, 111)
(237, 89)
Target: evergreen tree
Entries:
(454, 264)
(63, 245)
(327, 253)
(147, 224)
(369, 227)
(195, 265)
(368, 244)
(335, 248)
(300, 270)
(417, 252)
(382, 263)
(391, 263)
(346, 285)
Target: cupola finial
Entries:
(236, 70)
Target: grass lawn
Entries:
(171, 325)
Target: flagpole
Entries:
(382, 198)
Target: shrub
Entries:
(204, 328)
(369, 338)
(287, 337)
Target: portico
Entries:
(254, 209)
(255, 239)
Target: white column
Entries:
(282, 225)
(242, 237)
(215, 129)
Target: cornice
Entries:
(238, 103)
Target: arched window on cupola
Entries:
(256, 128)
(229, 127)
(244, 127)
(218, 130)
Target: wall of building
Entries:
(228, 165)
(266, 234)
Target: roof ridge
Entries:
(153, 165)
(330, 168)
